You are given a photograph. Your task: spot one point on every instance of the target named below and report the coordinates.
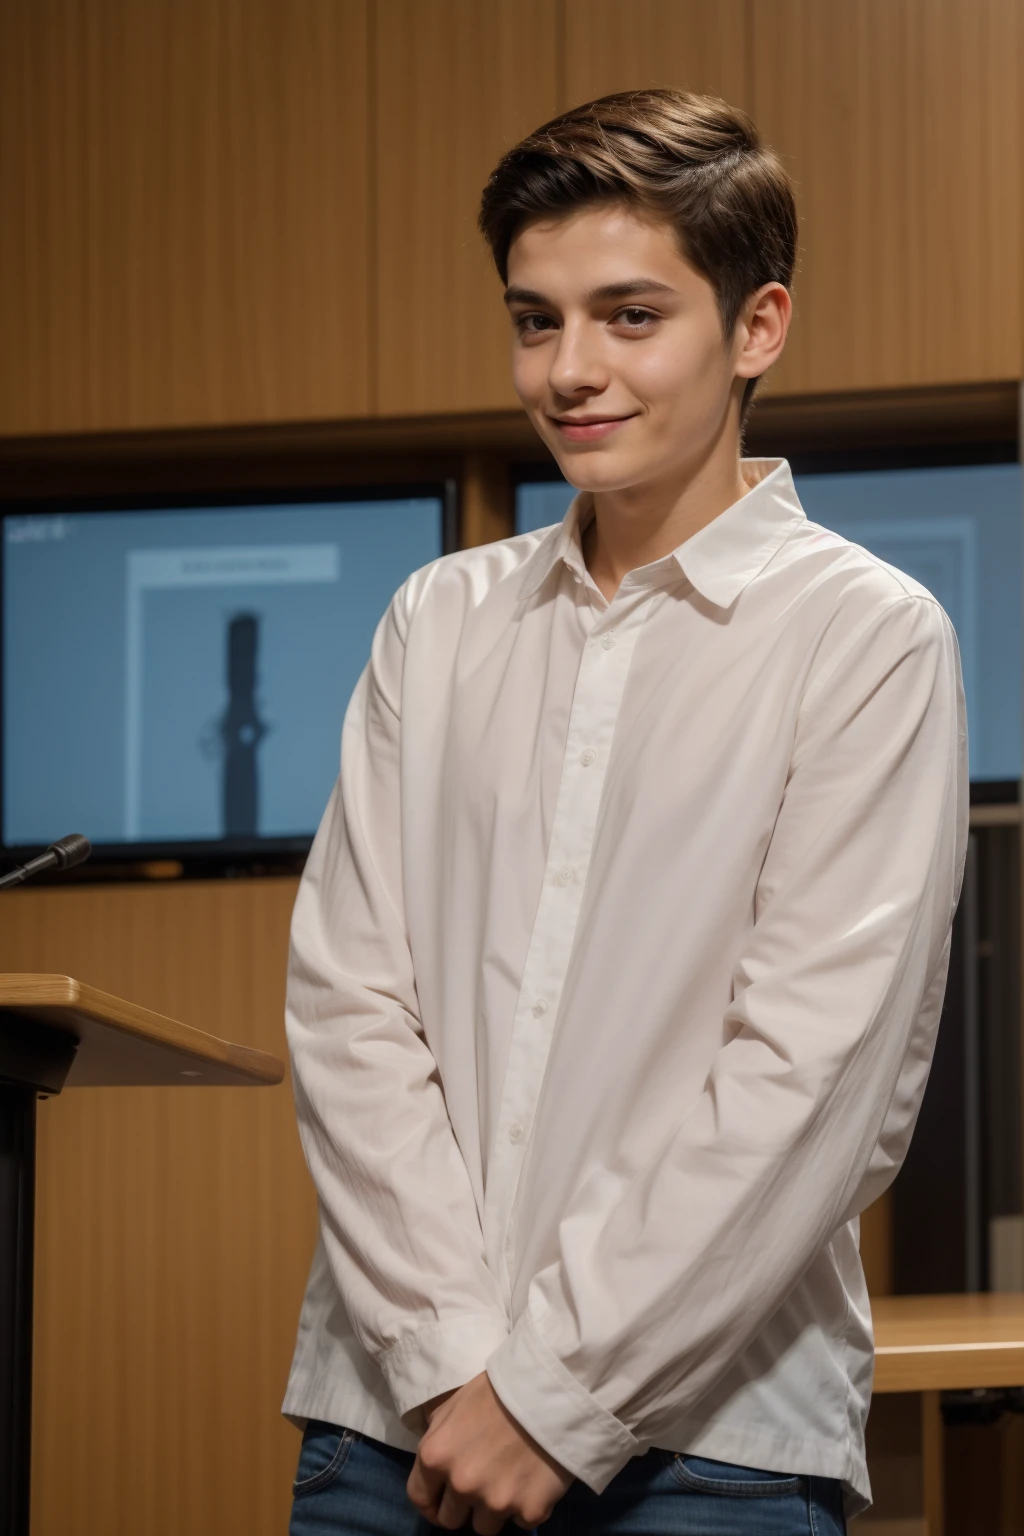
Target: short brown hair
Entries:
(691, 161)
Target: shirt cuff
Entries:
(437, 1357)
(553, 1407)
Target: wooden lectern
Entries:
(57, 1033)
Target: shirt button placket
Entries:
(596, 704)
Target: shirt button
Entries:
(515, 1131)
(540, 1007)
(608, 641)
(565, 874)
(587, 757)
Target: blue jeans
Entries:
(348, 1484)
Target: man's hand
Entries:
(435, 1402)
(476, 1459)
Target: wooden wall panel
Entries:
(876, 1245)
(457, 82)
(902, 123)
(225, 211)
(619, 45)
(183, 212)
(175, 1228)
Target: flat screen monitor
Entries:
(175, 678)
(957, 530)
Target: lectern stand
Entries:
(57, 1033)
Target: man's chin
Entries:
(596, 471)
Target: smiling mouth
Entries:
(582, 429)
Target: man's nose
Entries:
(577, 364)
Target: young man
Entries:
(619, 955)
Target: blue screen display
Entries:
(955, 530)
(181, 676)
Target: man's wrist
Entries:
(432, 1404)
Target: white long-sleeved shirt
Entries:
(615, 974)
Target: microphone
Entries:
(73, 849)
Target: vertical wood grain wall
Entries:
(224, 211)
(455, 83)
(903, 124)
(184, 199)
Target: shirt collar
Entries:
(719, 560)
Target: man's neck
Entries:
(642, 523)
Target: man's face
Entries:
(618, 353)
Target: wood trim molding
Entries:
(226, 458)
(487, 511)
(409, 448)
(995, 816)
(928, 417)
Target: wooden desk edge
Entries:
(47, 996)
(949, 1342)
(955, 1368)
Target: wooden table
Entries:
(933, 1344)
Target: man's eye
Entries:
(532, 324)
(635, 317)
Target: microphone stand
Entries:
(70, 850)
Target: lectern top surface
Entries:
(123, 1044)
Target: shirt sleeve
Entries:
(661, 1284)
(398, 1215)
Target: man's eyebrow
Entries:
(524, 296)
(630, 289)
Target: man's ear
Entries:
(761, 329)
